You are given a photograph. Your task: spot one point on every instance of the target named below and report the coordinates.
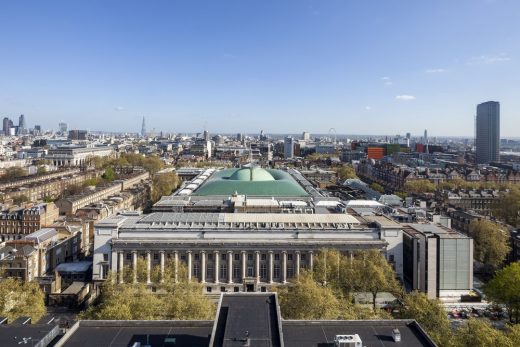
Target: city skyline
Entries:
(282, 67)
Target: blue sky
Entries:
(361, 67)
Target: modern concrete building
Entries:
(437, 261)
(487, 132)
(288, 147)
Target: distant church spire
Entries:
(143, 128)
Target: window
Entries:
(236, 289)
(210, 256)
(155, 256)
(236, 271)
(237, 256)
(276, 271)
(289, 256)
(196, 270)
(263, 289)
(277, 256)
(250, 271)
(197, 256)
(208, 289)
(209, 271)
(223, 271)
(263, 271)
(290, 271)
(128, 256)
(105, 257)
(391, 258)
(249, 257)
(303, 256)
(223, 289)
(263, 256)
(223, 256)
(183, 257)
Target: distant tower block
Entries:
(143, 128)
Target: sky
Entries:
(361, 67)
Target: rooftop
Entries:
(251, 181)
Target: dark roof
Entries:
(154, 333)
(15, 334)
(247, 316)
(372, 333)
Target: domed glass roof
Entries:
(253, 181)
(252, 174)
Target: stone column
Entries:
(284, 267)
(271, 266)
(257, 266)
(244, 254)
(120, 265)
(203, 267)
(176, 264)
(148, 267)
(161, 254)
(230, 267)
(134, 265)
(190, 270)
(217, 268)
(311, 261)
(298, 265)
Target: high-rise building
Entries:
(306, 136)
(63, 128)
(22, 127)
(288, 147)
(487, 132)
(6, 125)
(143, 128)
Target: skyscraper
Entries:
(22, 127)
(487, 132)
(5, 126)
(63, 128)
(288, 148)
(143, 128)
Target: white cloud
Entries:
(368, 108)
(385, 78)
(405, 97)
(119, 108)
(435, 70)
(387, 81)
(489, 59)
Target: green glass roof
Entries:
(251, 181)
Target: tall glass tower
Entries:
(487, 132)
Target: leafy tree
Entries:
(507, 207)
(402, 195)
(42, 170)
(19, 298)
(430, 315)
(491, 243)
(92, 182)
(377, 187)
(334, 269)
(14, 172)
(309, 300)
(479, 333)
(346, 172)
(20, 199)
(504, 289)
(163, 185)
(372, 273)
(109, 174)
(419, 186)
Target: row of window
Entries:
(210, 256)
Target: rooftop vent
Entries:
(396, 335)
(347, 341)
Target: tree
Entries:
(491, 243)
(14, 172)
(42, 170)
(507, 207)
(334, 269)
(309, 300)
(135, 301)
(430, 314)
(346, 172)
(419, 186)
(109, 174)
(20, 199)
(377, 187)
(372, 273)
(19, 298)
(163, 185)
(479, 333)
(504, 289)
